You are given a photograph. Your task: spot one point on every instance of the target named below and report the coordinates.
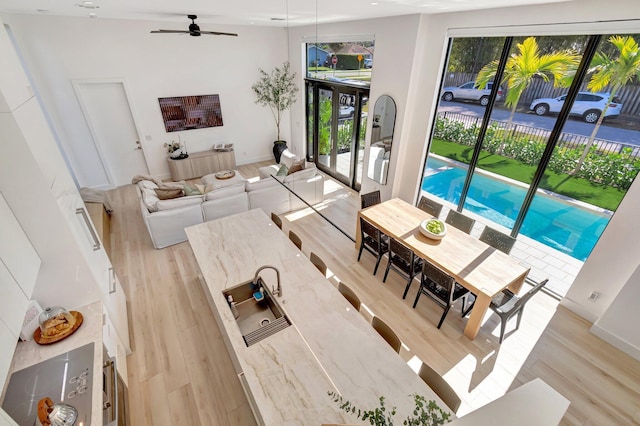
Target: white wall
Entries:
(58, 49)
(395, 40)
(616, 326)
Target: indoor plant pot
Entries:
(278, 148)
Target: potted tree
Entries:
(277, 91)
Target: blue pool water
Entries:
(566, 227)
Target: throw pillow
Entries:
(282, 171)
(167, 194)
(297, 165)
(204, 188)
(287, 158)
(191, 190)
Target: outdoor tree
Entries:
(616, 73)
(277, 91)
(525, 65)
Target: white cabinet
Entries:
(13, 302)
(16, 251)
(8, 343)
(114, 345)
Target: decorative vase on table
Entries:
(278, 149)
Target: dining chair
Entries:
(430, 206)
(460, 221)
(373, 241)
(319, 263)
(497, 239)
(276, 219)
(404, 261)
(387, 333)
(440, 287)
(507, 304)
(349, 295)
(369, 199)
(440, 386)
(295, 239)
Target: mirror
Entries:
(384, 119)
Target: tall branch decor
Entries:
(277, 91)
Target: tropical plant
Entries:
(614, 72)
(277, 91)
(425, 413)
(522, 67)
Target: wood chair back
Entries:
(440, 386)
(319, 263)
(295, 239)
(387, 333)
(276, 219)
(349, 295)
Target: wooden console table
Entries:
(202, 163)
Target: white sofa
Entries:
(166, 219)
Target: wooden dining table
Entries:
(482, 269)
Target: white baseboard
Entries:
(616, 341)
(579, 310)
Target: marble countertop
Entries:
(329, 347)
(30, 353)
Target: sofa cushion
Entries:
(224, 192)
(150, 199)
(282, 171)
(296, 166)
(260, 184)
(302, 174)
(287, 158)
(168, 194)
(146, 184)
(178, 202)
(191, 190)
(203, 189)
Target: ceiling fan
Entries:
(194, 30)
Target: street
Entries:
(613, 130)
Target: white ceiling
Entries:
(256, 12)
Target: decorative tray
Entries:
(225, 174)
(42, 340)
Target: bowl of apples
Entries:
(433, 228)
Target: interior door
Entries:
(106, 108)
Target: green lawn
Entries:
(577, 188)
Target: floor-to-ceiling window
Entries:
(538, 135)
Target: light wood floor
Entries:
(181, 374)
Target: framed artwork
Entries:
(190, 112)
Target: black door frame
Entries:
(359, 93)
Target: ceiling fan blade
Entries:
(169, 32)
(219, 33)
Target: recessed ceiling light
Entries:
(88, 6)
(374, 3)
(92, 15)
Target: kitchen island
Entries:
(328, 347)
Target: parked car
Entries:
(345, 111)
(588, 105)
(368, 62)
(470, 92)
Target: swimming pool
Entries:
(562, 225)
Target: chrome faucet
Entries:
(274, 291)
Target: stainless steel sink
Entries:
(257, 318)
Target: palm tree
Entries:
(522, 67)
(614, 72)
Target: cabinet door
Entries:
(227, 160)
(115, 347)
(13, 302)
(205, 165)
(8, 342)
(115, 303)
(16, 250)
